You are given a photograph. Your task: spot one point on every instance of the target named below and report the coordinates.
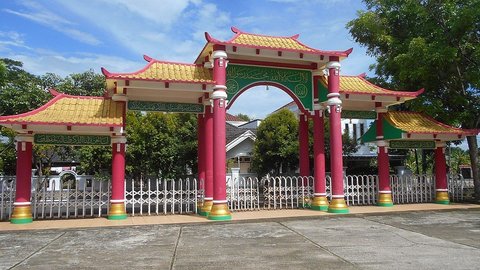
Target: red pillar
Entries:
(304, 159)
(117, 201)
(384, 190)
(337, 205)
(320, 201)
(220, 209)
(441, 195)
(208, 199)
(22, 211)
(200, 157)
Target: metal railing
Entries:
(243, 194)
(287, 192)
(89, 197)
(412, 188)
(161, 196)
(360, 189)
(72, 199)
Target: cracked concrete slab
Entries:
(422, 240)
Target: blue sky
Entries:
(73, 36)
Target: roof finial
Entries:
(54, 92)
(235, 30)
(147, 58)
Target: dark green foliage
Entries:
(277, 144)
(161, 144)
(244, 117)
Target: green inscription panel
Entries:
(412, 144)
(135, 105)
(297, 80)
(357, 114)
(59, 139)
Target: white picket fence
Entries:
(90, 197)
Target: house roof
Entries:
(157, 70)
(72, 110)
(233, 132)
(233, 118)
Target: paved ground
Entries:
(418, 240)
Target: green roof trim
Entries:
(322, 91)
(389, 132)
(371, 134)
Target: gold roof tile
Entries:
(288, 43)
(413, 122)
(72, 110)
(359, 85)
(166, 71)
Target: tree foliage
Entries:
(431, 44)
(276, 145)
(161, 144)
(244, 117)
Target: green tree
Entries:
(20, 91)
(161, 144)
(87, 83)
(431, 44)
(244, 117)
(276, 145)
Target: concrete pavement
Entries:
(393, 240)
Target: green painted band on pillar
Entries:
(443, 202)
(385, 204)
(21, 220)
(319, 207)
(338, 210)
(203, 213)
(117, 217)
(228, 217)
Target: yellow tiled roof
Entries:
(358, 85)
(413, 122)
(165, 71)
(72, 110)
(288, 43)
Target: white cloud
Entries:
(41, 15)
(178, 35)
(11, 39)
(41, 61)
(163, 12)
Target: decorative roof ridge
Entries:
(238, 32)
(466, 131)
(150, 61)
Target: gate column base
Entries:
(441, 197)
(338, 206)
(206, 208)
(319, 203)
(117, 211)
(22, 214)
(385, 200)
(220, 212)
